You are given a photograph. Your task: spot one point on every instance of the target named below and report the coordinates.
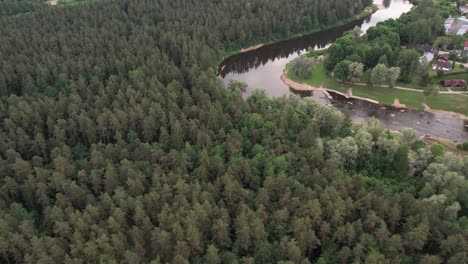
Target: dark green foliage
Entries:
(383, 44)
(14, 7)
(118, 144)
(463, 146)
(408, 61)
(341, 70)
(440, 73)
(437, 150)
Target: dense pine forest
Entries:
(14, 7)
(118, 144)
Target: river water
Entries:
(262, 68)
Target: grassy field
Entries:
(317, 78)
(414, 83)
(463, 76)
(448, 102)
(382, 94)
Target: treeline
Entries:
(119, 144)
(14, 7)
(188, 32)
(388, 43)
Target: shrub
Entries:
(463, 146)
(302, 67)
(437, 150)
(440, 73)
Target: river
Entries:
(262, 68)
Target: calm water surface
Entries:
(263, 67)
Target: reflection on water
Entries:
(263, 67)
(386, 3)
(245, 62)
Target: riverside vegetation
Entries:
(119, 144)
(382, 59)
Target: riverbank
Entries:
(251, 48)
(367, 12)
(449, 104)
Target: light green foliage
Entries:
(379, 75)
(355, 72)
(437, 150)
(302, 67)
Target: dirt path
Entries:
(416, 90)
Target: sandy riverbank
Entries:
(251, 48)
(445, 112)
(301, 87)
(453, 114)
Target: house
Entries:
(464, 9)
(456, 26)
(462, 30)
(465, 45)
(444, 56)
(427, 57)
(463, 54)
(457, 83)
(448, 24)
(441, 65)
(429, 52)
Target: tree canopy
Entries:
(118, 143)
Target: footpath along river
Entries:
(263, 67)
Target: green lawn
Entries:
(463, 76)
(448, 102)
(317, 78)
(382, 94)
(414, 83)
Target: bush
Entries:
(418, 145)
(437, 150)
(463, 146)
(440, 73)
(302, 67)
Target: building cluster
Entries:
(440, 60)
